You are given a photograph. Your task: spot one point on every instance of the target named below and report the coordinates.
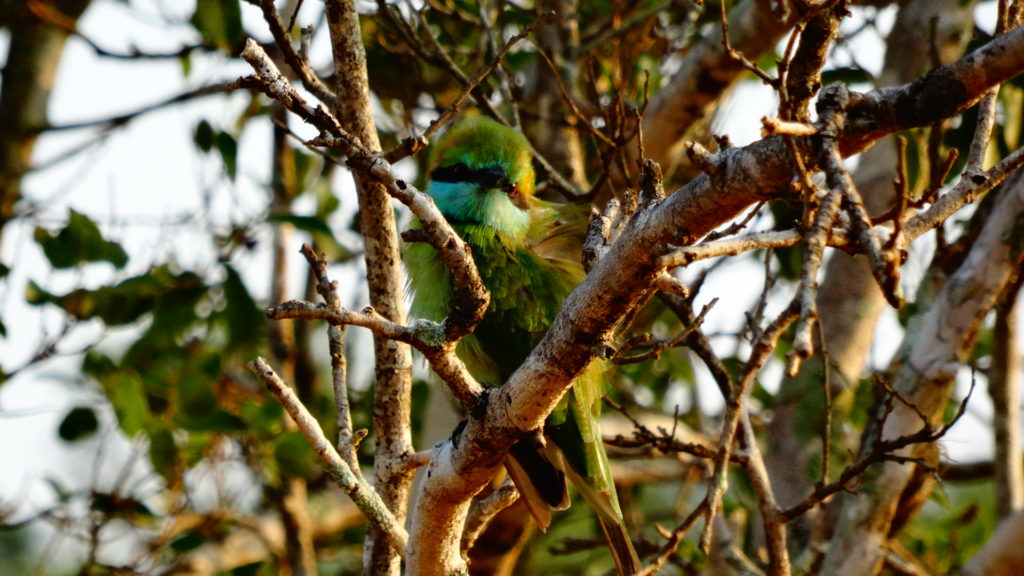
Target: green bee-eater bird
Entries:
(483, 181)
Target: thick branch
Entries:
(743, 176)
(618, 280)
(392, 393)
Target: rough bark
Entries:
(391, 413)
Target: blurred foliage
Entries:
(79, 242)
(954, 524)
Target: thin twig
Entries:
(881, 451)
(424, 335)
(655, 349)
(328, 290)
(774, 526)
(718, 482)
(485, 510)
(410, 146)
(357, 488)
(672, 539)
(736, 55)
(301, 68)
(471, 297)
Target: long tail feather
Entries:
(627, 562)
(582, 448)
(606, 505)
(541, 483)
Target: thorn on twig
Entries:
(598, 230)
(602, 231)
(409, 146)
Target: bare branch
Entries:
(771, 518)
(424, 335)
(485, 510)
(734, 408)
(471, 297)
(328, 290)
(358, 489)
(295, 61)
(927, 365)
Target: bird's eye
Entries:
(511, 189)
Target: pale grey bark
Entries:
(925, 371)
(393, 386)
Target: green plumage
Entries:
(483, 182)
(526, 293)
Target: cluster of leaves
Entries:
(193, 332)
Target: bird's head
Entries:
(483, 176)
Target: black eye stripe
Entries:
(459, 172)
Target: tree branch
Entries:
(927, 364)
(354, 485)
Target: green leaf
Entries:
(188, 541)
(246, 321)
(323, 237)
(186, 64)
(312, 224)
(198, 408)
(80, 423)
(130, 406)
(219, 22)
(294, 454)
(252, 569)
(228, 148)
(847, 75)
(59, 490)
(305, 168)
(116, 506)
(263, 416)
(127, 301)
(203, 136)
(79, 242)
(164, 454)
